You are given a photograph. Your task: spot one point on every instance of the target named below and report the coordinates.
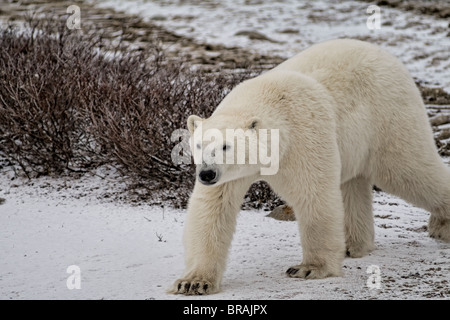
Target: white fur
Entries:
(349, 116)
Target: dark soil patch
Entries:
(436, 8)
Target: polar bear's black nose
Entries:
(207, 175)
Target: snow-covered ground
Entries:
(290, 26)
(125, 251)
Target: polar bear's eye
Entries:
(226, 147)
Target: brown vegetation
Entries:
(68, 106)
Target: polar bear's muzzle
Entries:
(208, 176)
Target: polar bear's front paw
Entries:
(309, 271)
(193, 287)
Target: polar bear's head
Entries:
(227, 147)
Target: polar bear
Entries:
(349, 116)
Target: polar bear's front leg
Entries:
(319, 210)
(210, 226)
(322, 238)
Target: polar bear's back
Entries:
(354, 71)
(377, 103)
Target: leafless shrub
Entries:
(71, 102)
(261, 196)
(40, 124)
(137, 112)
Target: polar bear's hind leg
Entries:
(358, 217)
(424, 181)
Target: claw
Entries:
(292, 271)
(196, 287)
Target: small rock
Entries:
(283, 213)
(289, 31)
(159, 18)
(445, 134)
(254, 35)
(440, 119)
(2, 200)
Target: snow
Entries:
(127, 251)
(421, 42)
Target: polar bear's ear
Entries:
(192, 123)
(254, 123)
